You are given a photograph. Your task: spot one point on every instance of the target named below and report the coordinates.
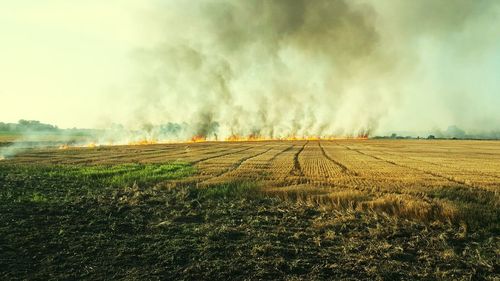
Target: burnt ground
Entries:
(59, 226)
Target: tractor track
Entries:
(297, 169)
(451, 179)
(281, 152)
(236, 165)
(340, 165)
(219, 155)
(439, 165)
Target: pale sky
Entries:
(60, 59)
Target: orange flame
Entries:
(233, 138)
(143, 142)
(198, 138)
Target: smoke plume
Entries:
(320, 68)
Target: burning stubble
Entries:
(219, 69)
(298, 68)
(267, 68)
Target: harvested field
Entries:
(286, 208)
(394, 176)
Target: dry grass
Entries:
(423, 180)
(400, 205)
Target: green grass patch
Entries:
(38, 197)
(126, 174)
(49, 183)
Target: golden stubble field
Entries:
(423, 179)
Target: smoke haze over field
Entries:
(254, 68)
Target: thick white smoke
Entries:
(320, 68)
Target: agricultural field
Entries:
(291, 210)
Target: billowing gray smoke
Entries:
(321, 67)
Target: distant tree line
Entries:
(27, 125)
(453, 132)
